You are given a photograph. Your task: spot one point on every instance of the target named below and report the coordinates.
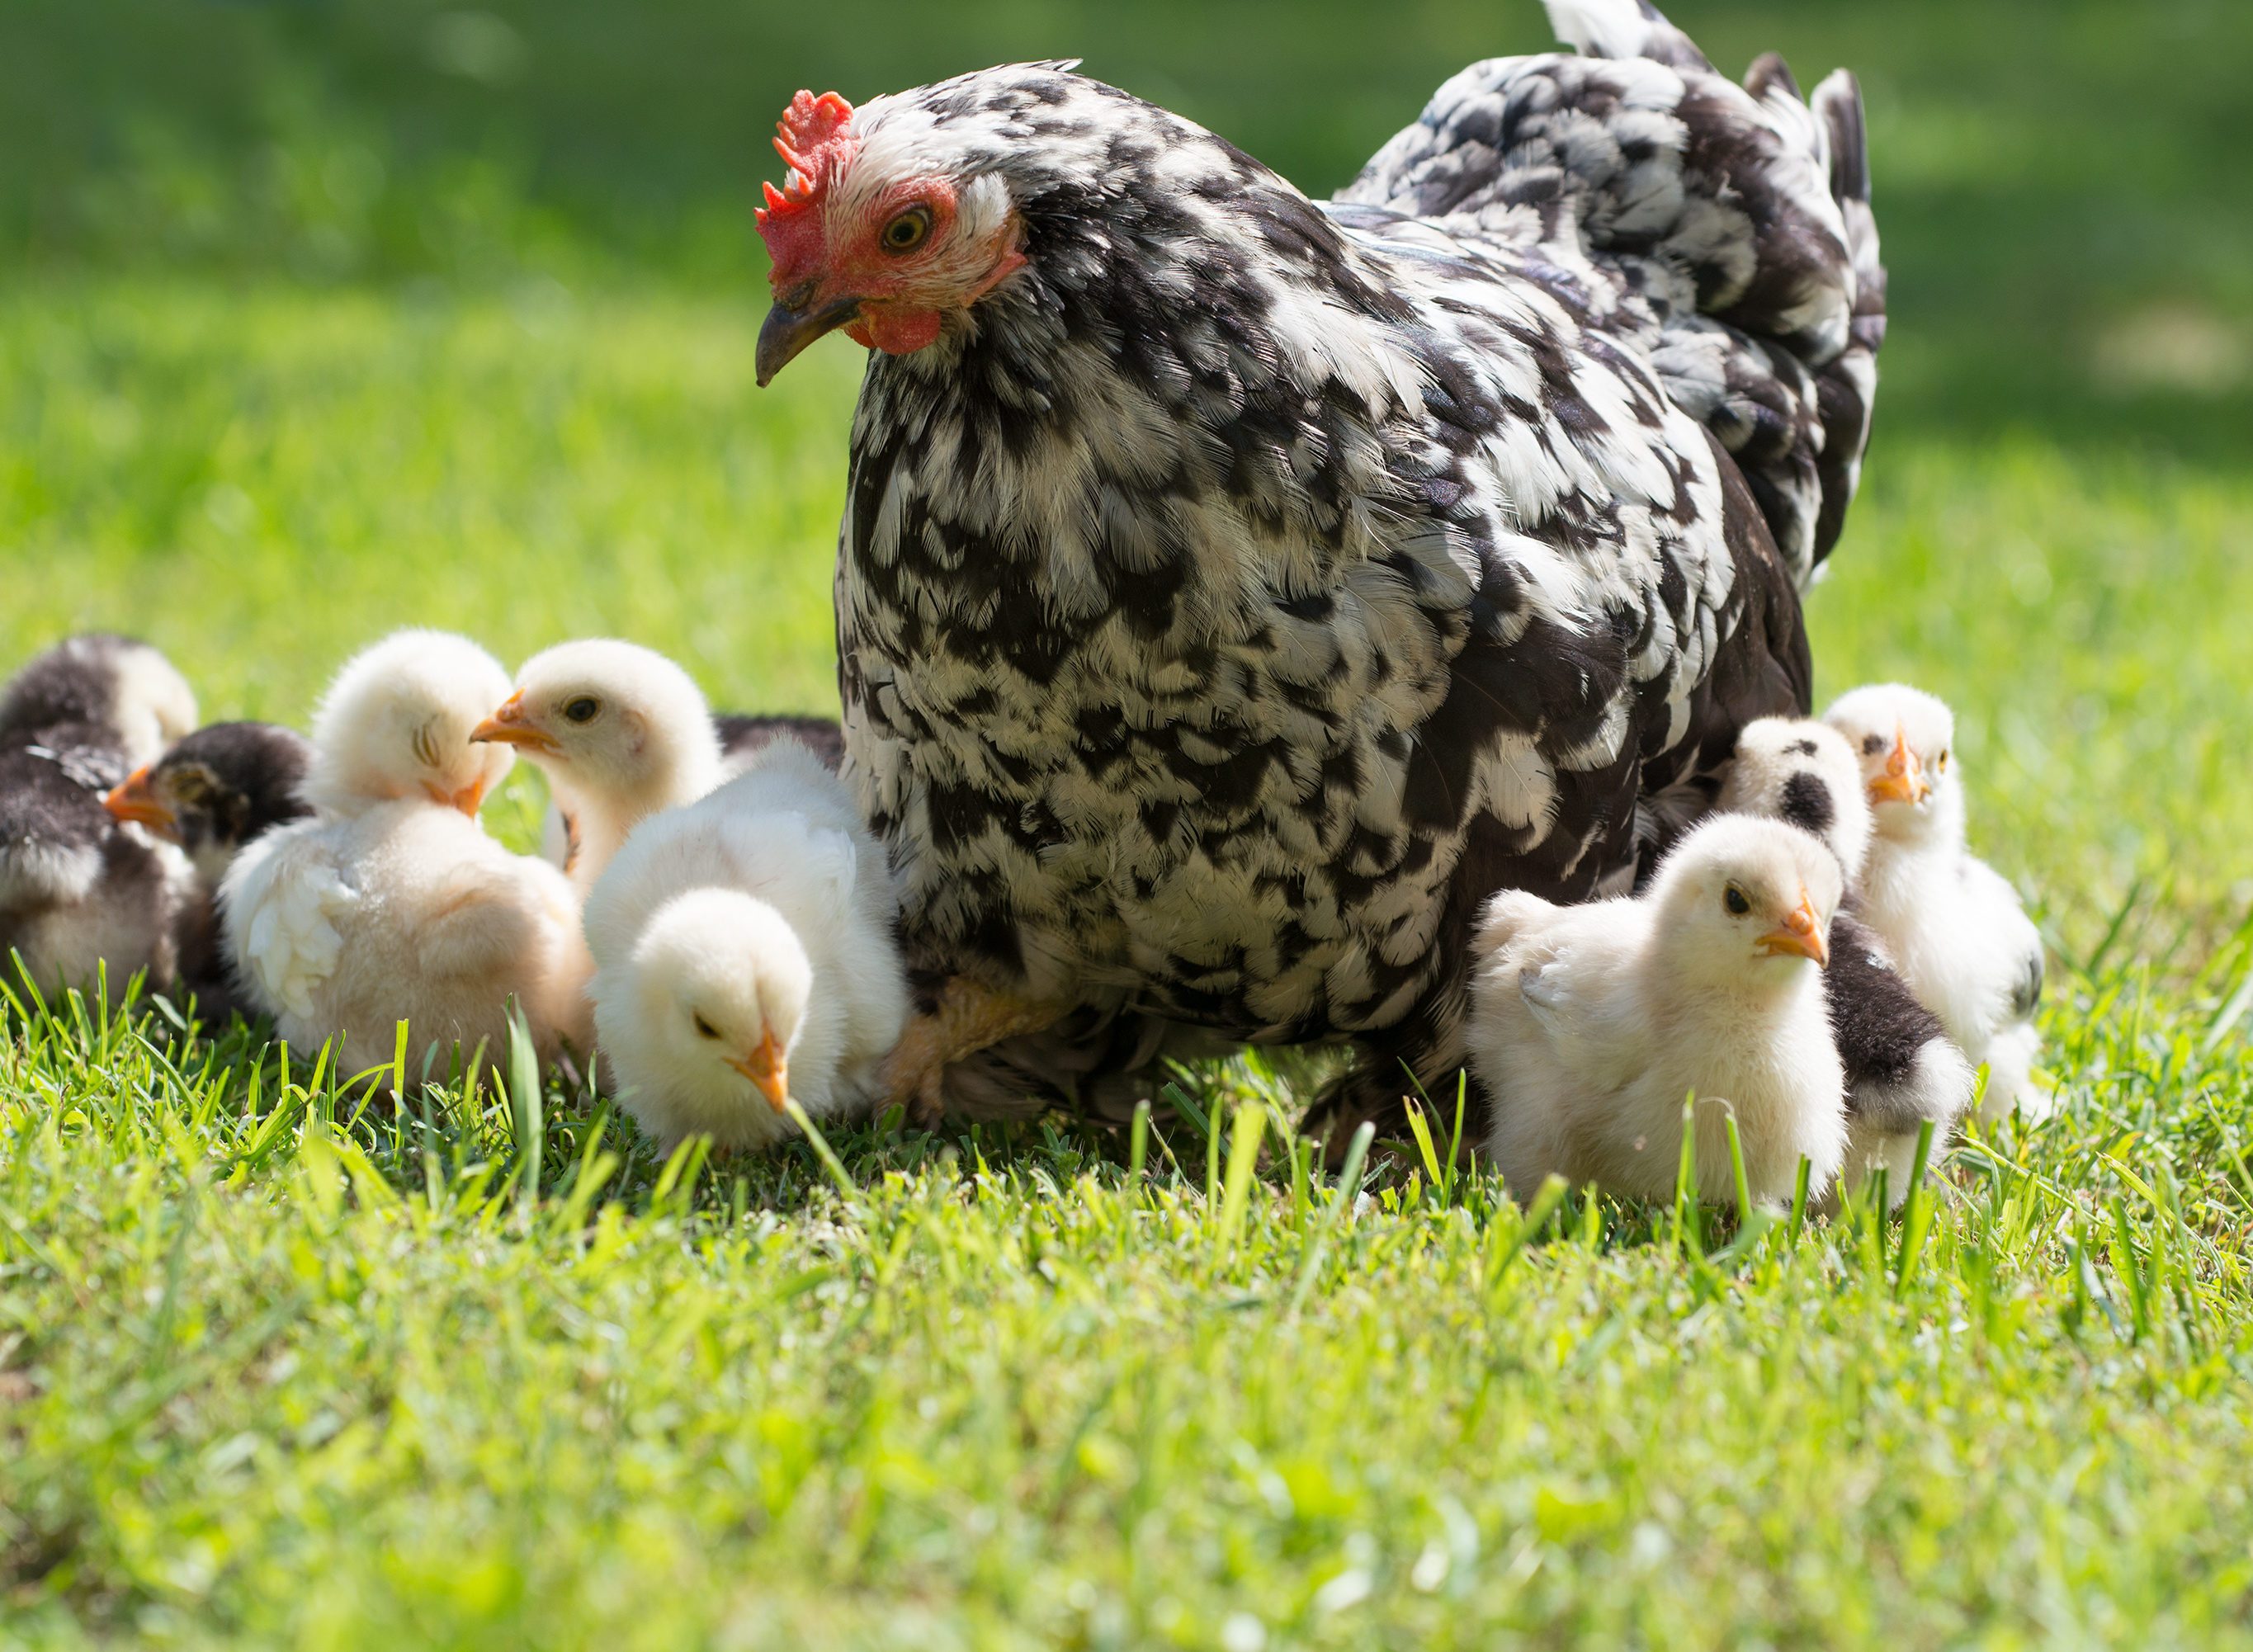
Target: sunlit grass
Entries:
(286, 1361)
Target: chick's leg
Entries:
(969, 1018)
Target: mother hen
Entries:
(1234, 592)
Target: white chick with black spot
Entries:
(390, 903)
(1591, 1024)
(81, 895)
(621, 732)
(1901, 1067)
(744, 954)
(1952, 925)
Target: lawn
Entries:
(282, 1366)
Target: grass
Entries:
(322, 320)
(280, 1367)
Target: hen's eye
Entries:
(582, 709)
(1943, 762)
(1734, 898)
(704, 1029)
(906, 231)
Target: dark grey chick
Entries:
(212, 795)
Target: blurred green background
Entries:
(2063, 183)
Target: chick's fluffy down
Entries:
(787, 834)
(409, 912)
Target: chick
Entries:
(743, 953)
(1953, 925)
(621, 733)
(391, 903)
(78, 891)
(217, 791)
(743, 735)
(1804, 773)
(1590, 1024)
(211, 796)
(117, 684)
(1901, 1067)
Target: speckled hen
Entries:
(1235, 590)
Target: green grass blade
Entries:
(1347, 1189)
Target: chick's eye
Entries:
(704, 1029)
(1734, 899)
(582, 709)
(907, 230)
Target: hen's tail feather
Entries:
(1710, 222)
(1623, 29)
(1846, 387)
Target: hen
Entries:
(1235, 592)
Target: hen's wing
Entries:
(1724, 230)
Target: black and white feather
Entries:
(1725, 229)
(1241, 593)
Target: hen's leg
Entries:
(969, 1018)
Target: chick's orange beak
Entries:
(765, 1068)
(1903, 780)
(136, 801)
(468, 799)
(1799, 934)
(513, 726)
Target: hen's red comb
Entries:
(810, 139)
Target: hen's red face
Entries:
(880, 251)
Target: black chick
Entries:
(218, 790)
(77, 889)
(106, 689)
(212, 795)
(742, 736)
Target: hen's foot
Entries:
(969, 1018)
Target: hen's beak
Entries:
(796, 322)
(513, 726)
(1903, 780)
(137, 802)
(1799, 934)
(765, 1068)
